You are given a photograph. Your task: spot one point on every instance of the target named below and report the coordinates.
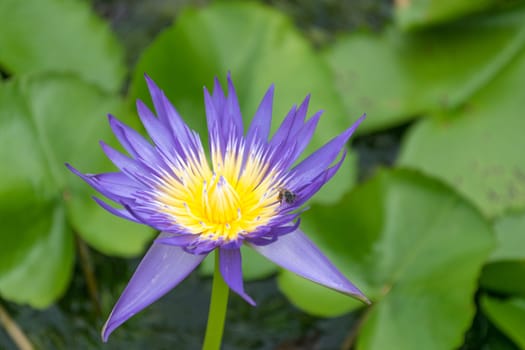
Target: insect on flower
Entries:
(286, 195)
(200, 205)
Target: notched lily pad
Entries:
(414, 247)
(396, 76)
(45, 121)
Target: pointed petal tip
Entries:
(148, 79)
(162, 268)
(105, 333)
(317, 114)
(70, 167)
(217, 88)
(296, 253)
(361, 118)
(231, 86)
(140, 105)
(354, 126)
(111, 324)
(351, 290)
(306, 100)
(112, 119)
(364, 299)
(103, 145)
(248, 299)
(113, 122)
(231, 271)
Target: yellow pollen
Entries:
(224, 203)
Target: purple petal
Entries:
(148, 214)
(117, 212)
(115, 186)
(318, 161)
(168, 115)
(178, 239)
(136, 145)
(291, 124)
(125, 164)
(295, 252)
(223, 114)
(157, 131)
(309, 190)
(232, 112)
(231, 269)
(213, 122)
(304, 135)
(161, 269)
(261, 123)
(218, 96)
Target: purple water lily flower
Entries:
(251, 194)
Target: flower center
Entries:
(232, 200)
(220, 202)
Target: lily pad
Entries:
(505, 271)
(504, 277)
(61, 36)
(478, 149)
(396, 76)
(418, 13)
(508, 315)
(45, 121)
(414, 247)
(38, 271)
(510, 234)
(259, 46)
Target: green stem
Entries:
(217, 313)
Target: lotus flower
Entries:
(247, 190)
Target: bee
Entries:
(286, 195)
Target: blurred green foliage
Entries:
(433, 242)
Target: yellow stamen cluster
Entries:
(223, 203)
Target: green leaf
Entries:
(69, 132)
(260, 46)
(508, 315)
(59, 35)
(505, 272)
(107, 233)
(414, 247)
(510, 233)
(395, 76)
(29, 220)
(478, 149)
(417, 13)
(36, 259)
(504, 277)
(45, 121)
